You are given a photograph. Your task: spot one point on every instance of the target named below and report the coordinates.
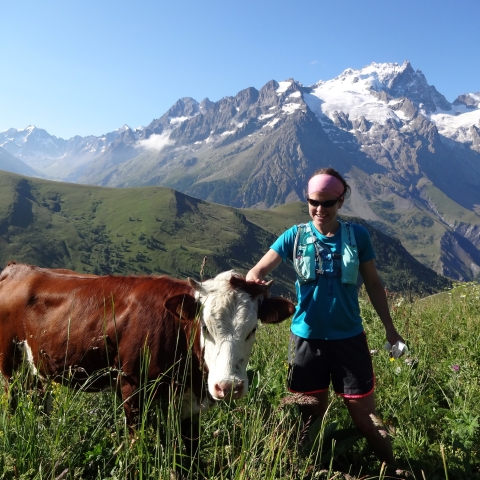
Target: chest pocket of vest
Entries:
(305, 260)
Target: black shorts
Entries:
(347, 363)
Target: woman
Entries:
(327, 339)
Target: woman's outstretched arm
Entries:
(264, 266)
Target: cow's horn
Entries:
(196, 285)
(268, 284)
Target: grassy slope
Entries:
(157, 230)
(428, 399)
(123, 231)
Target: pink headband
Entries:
(326, 184)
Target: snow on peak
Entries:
(283, 87)
(28, 129)
(376, 75)
(354, 92)
(350, 93)
(456, 124)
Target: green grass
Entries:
(428, 400)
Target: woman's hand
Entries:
(393, 336)
(266, 264)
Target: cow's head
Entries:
(231, 308)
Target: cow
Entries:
(122, 331)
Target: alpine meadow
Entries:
(427, 398)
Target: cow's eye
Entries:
(205, 330)
(251, 333)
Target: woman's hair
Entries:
(331, 171)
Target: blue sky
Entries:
(84, 67)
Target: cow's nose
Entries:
(229, 388)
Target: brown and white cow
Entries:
(97, 331)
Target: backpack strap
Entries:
(350, 234)
(350, 260)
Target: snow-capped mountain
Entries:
(56, 157)
(380, 94)
(412, 157)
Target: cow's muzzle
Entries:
(226, 389)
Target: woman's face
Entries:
(324, 218)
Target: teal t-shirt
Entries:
(327, 308)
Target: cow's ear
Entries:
(183, 306)
(275, 310)
(252, 288)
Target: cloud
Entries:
(313, 62)
(155, 142)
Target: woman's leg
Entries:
(362, 411)
(310, 412)
(316, 408)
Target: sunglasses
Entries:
(325, 204)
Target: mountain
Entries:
(10, 163)
(55, 157)
(411, 157)
(159, 230)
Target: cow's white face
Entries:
(228, 322)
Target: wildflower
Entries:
(377, 421)
(373, 352)
(455, 368)
(403, 472)
(411, 362)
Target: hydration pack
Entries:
(309, 255)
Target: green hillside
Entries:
(159, 230)
(123, 231)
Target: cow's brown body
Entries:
(102, 330)
(79, 328)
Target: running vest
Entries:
(309, 255)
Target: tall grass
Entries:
(429, 400)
